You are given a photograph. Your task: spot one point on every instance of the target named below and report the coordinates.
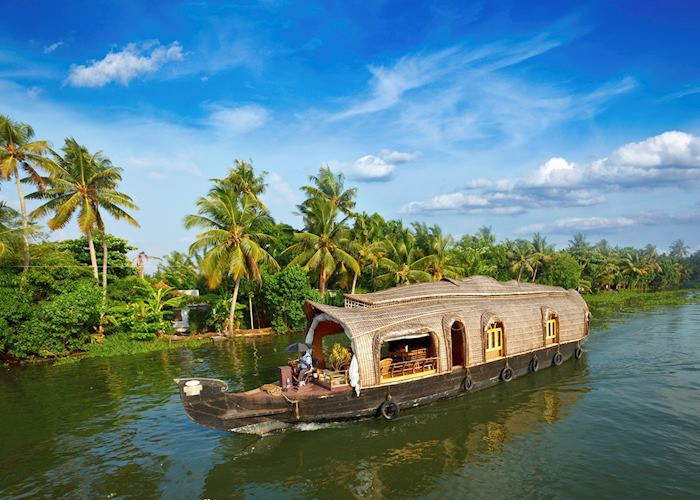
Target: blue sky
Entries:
(552, 116)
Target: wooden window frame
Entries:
(494, 342)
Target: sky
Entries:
(551, 116)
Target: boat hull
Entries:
(260, 412)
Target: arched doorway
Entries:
(458, 351)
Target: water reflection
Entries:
(378, 457)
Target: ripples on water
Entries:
(623, 421)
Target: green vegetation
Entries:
(250, 271)
(608, 304)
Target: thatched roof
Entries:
(474, 286)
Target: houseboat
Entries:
(408, 346)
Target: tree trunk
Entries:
(534, 273)
(520, 272)
(25, 222)
(354, 281)
(232, 314)
(104, 264)
(322, 281)
(93, 255)
(250, 307)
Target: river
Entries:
(624, 421)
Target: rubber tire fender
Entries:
(578, 353)
(534, 364)
(557, 359)
(467, 384)
(507, 374)
(389, 410)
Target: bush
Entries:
(284, 294)
(53, 327)
(199, 319)
(564, 270)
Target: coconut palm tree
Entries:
(542, 253)
(19, 153)
(85, 183)
(363, 243)
(329, 187)
(521, 251)
(438, 262)
(8, 228)
(400, 265)
(233, 239)
(243, 178)
(679, 250)
(321, 248)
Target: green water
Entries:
(622, 422)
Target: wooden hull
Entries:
(259, 412)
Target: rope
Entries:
(276, 390)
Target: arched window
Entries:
(494, 346)
(551, 328)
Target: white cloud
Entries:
(371, 168)
(398, 157)
(447, 202)
(237, 119)
(279, 187)
(465, 93)
(671, 159)
(557, 172)
(133, 61)
(598, 224)
(50, 48)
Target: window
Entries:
(494, 341)
(407, 357)
(551, 329)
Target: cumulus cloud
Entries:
(381, 168)
(668, 159)
(52, 47)
(133, 61)
(237, 119)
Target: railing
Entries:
(408, 369)
(330, 379)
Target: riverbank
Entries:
(605, 304)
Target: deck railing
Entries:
(407, 369)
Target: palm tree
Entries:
(679, 250)
(140, 262)
(18, 151)
(321, 249)
(8, 228)
(521, 251)
(326, 187)
(243, 178)
(437, 262)
(233, 239)
(363, 243)
(85, 182)
(542, 253)
(400, 263)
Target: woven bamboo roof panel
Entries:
(473, 286)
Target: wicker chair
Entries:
(385, 367)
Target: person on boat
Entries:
(306, 366)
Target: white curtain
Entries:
(354, 373)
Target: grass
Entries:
(606, 304)
(120, 344)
